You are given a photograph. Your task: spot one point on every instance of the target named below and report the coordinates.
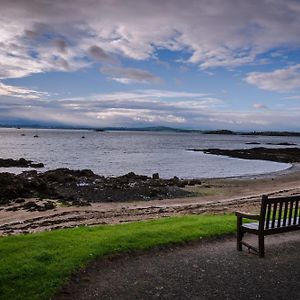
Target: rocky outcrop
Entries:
(284, 155)
(79, 187)
(19, 163)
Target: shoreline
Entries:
(212, 196)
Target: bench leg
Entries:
(239, 235)
(261, 245)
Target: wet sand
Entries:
(212, 196)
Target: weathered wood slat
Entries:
(274, 215)
(285, 213)
(280, 213)
(296, 212)
(269, 208)
(291, 212)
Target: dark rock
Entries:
(37, 165)
(19, 200)
(282, 144)
(49, 205)
(19, 163)
(80, 187)
(31, 205)
(155, 176)
(284, 155)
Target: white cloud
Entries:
(147, 108)
(259, 106)
(215, 33)
(295, 97)
(281, 80)
(20, 92)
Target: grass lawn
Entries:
(34, 266)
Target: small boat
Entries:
(36, 136)
(83, 137)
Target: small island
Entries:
(283, 155)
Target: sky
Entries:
(203, 64)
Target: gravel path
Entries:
(209, 269)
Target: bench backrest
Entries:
(279, 213)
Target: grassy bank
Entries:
(34, 266)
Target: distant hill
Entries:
(223, 131)
(156, 129)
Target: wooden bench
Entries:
(276, 215)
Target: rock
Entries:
(49, 205)
(155, 176)
(37, 165)
(19, 200)
(31, 205)
(284, 155)
(19, 163)
(80, 187)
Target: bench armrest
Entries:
(247, 216)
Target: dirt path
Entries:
(210, 269)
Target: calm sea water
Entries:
(117, 153)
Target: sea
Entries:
(114, 153)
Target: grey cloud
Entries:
(64, 64)
(99, 54)
(60, 45)
(130, 75)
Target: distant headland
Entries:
(159, 129)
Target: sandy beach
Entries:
(212, 196)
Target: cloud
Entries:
(135, 108)
(295, 97)
(130, 75)
(213, 33)
(281, 80)
(60, 45)
(20, 92)
(146, 108)
(259, 106)
(99, 54)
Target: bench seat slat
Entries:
(254, 226)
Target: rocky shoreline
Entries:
(19, 163)
(81, 187)
(283, 155)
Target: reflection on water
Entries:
(117, 153)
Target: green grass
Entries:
(200, 191)
(34, 266)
